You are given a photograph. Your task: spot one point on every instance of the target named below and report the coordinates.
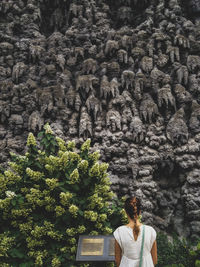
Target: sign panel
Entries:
(92, 247)
(112, 247)
(95, 248)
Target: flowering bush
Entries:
(48, 197)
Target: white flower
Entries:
(10, 194)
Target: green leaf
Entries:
(55, 245)
(66, 217)
(44, 142)
(38, 165)
(67, 175)
(17, 253)
(49, 136)
(53, 142)
(14, 202)
(40, 134)
(75, 187)
(21, 200)
(63, 189)
(86, 181)
(80, 212)
(62, 259)
(27, 264)
(47, 145)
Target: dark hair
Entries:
(133, 208)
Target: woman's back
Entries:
(131, 248)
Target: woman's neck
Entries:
(132, 223)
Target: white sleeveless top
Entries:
(131, 248)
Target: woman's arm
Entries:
(118, 253)
(154, 253)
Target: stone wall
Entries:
(124, 73)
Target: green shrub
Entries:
(195, 254)
(177, 253)
(50, 196)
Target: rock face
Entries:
(124, 73)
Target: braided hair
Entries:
(133, 208)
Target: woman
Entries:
(128, 239)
